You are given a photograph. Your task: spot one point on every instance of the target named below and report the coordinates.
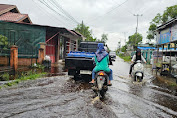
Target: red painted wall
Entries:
(51, 46)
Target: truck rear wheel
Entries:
(77, 74)
(71, 71)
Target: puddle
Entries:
(73, 86)
(22, 71)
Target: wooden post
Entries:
(170, 59)
(14, 57)
(41, 55)
(76, 44)
(42, 52)
(58, 49)
(43, 46)
(157, 58)
(69, 48)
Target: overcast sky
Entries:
(114, 17)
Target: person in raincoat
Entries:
(102, 61)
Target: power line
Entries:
(47, 5)
(112, 9)
(56, 5)
(126, 8)
(64, 11)
(49, 13)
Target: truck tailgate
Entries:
(80, 63)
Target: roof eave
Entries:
(166, 24)
(8, 9)
(21, 19)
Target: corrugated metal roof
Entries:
(166, 24)
(17, 17)
(64, 30)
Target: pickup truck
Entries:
(81, 60)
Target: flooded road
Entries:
(140, 100)
(63, 97)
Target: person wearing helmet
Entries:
(135, 58)
(102, 61)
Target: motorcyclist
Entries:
(135, 58)
(102, 61)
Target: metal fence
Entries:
(26, 37)
(147, 54)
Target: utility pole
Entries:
(137, 15)
(120, 43)
(125, 36)
(83, 28)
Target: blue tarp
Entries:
(81, 54)
(146, 48)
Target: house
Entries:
(11, 13)
(30, 39)
(167, 33)
(56, 41)
(166, 38)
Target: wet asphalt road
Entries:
(62, 97)
(143, 100)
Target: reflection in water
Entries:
(56, 70)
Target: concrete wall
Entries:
(25, 61)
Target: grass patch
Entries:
(125, 58)
(172, 84)
(28, 76)
(4, 77)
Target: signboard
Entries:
(174, 32)
(165, 36)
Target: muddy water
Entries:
(63, 97)
(51, 97)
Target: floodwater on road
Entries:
(142, 100)
(51, 97)
(62, 97)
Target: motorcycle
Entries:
(101, 84)
(138, 71)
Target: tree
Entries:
(3, 42)
(157, 19)
(118, 46)
(135, 39)
(169, 13)
(124, 48)
(104, 37)
(151, 30)
(85, 31)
